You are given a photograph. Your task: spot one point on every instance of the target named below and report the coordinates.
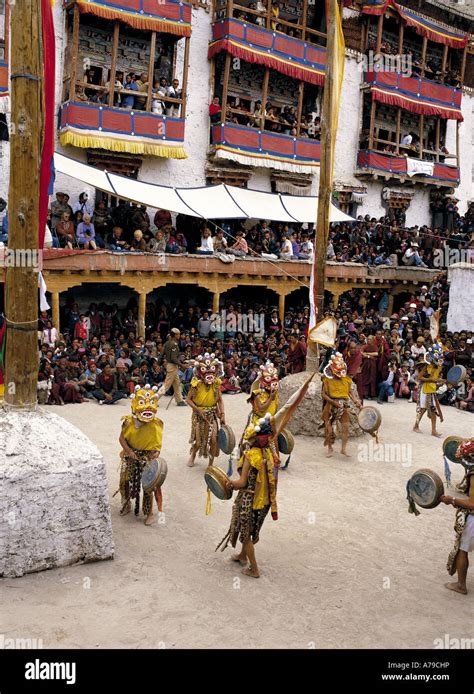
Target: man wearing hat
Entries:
(171, 354)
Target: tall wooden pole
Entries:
(21, 372)
(326, 162)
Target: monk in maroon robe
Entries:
(354, 359)
(370, 356)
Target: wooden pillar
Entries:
(141, 313)
(422, 127)
(230, 7)
(225, 86)
(113, 66)
(390, 303)
(463, 65)
(438, 129)
(457, 143)
(379, 34)
(266, 79)
(215, 301)
(444, 62)
(300, 108)
(151, 70)
(281, 307)
(371, 126)
(55, 310)
(21, 280)
(75, 51)
(423, 55)
(401, 36)
(184, 87)
(304, 19)
(398, 133)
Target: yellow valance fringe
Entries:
(147, 23)
(88, 141)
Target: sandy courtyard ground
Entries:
(345, 566)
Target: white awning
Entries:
(208, 202)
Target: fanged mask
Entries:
(145, 403)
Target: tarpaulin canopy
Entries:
(209, 202)
(415, 94)
(425, 26)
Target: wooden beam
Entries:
(113, 66)
(21, 358)
(184, 88)
(75, 51)
(463, 65)
(151, 70)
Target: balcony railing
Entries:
(98, 126)
(260, 148)
(372, 162)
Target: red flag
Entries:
(47, 153)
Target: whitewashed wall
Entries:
(461, 297)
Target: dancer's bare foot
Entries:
(330, 452)
(437, 434)
(348, 455)
(456, 587)
(150, 519)
(191, 461)
(238, 557)
(250, 572)
(126, 509)
(418, 430)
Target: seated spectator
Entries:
(207, 244)
(220, 242)
(158, 243)
(86, 234)
(286, 251)
(138, 243)
(240, 247)
(107, 393)
(412, 257)
(65, 231)
(116, 240)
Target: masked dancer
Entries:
(205, 399)
(257, 484)
(141, 440)
(429, 377)
(340, 397)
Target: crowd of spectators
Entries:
(100, 355)
(128, 227)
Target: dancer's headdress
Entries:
(207, 367)
(336, 367)
(144, 402)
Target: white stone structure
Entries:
(54, 503)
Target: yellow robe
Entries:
(146, 437)
(205, 396)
